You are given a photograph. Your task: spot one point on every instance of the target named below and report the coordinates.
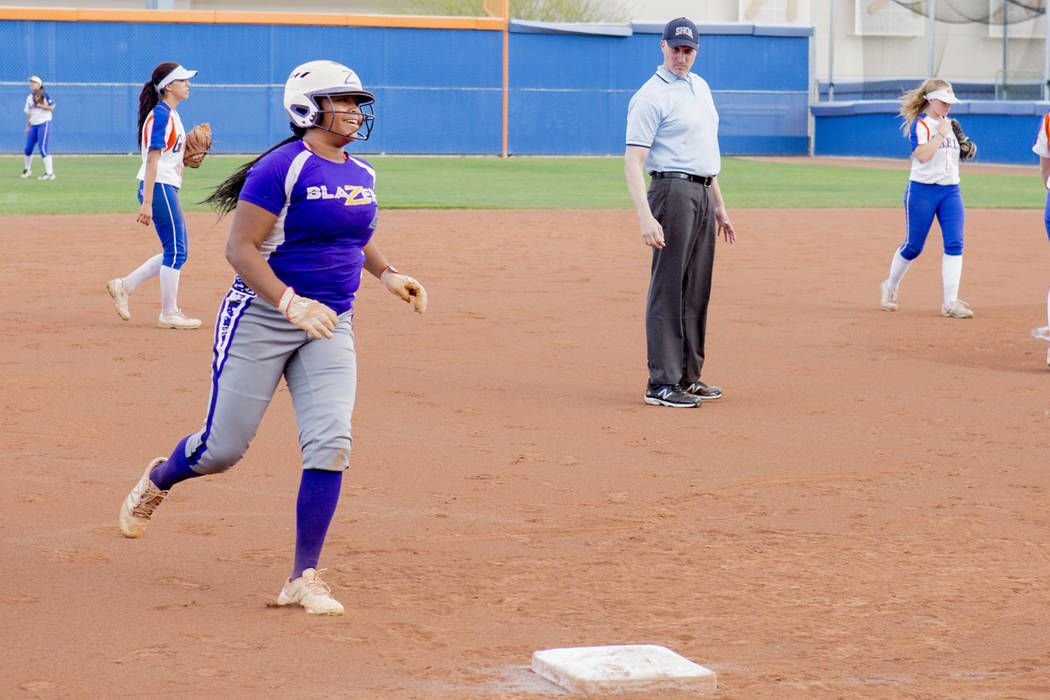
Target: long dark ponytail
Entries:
(224, 198)
(149, 97)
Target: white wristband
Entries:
(286, 301)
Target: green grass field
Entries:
(102, 184)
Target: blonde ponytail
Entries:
(914, 102)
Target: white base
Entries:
(621, 669)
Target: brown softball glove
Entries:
(198, 141)
(967, 148)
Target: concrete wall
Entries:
(966, 52)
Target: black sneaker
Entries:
(705, 392)
(670, 395)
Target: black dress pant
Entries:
(680, 282)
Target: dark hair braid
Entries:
(224, 197)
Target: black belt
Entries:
(699, 179)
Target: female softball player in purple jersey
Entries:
(933, 190)
(39, 111)
(161, 140)
(1042, 149)
(305, 212)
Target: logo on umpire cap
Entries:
(680, 32)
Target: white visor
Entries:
(944, 95)
(178, 73)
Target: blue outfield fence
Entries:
(439, 91)
(1003, 131)
(239, 87)
(569, 93)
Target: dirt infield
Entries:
(863, 516)
(897, 164)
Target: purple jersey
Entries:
(326, 213)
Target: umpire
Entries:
(672, 131)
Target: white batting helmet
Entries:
(316, 79)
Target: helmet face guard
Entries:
(310, 89)
(366, 117)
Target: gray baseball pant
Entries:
(680, 281)
(255, 345)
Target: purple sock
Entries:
(174, 469)
(318, 496)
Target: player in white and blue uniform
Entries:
(162, 139)
(305, 215)
(39, 111)
(932, 191)
(1041, 148)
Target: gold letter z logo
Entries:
(355, 195)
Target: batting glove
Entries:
(407, 288)
(309, 314)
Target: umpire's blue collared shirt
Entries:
(675, 118)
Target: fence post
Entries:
(506, 73)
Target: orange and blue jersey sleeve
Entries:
(919, 132)
(1041, 147)
(160, 130)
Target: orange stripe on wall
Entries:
(209, 17)
(90, 15)
(31, 13)
(419, 22)
(238, 17)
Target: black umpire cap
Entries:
(681, 32)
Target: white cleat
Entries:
(957, 309)
(312, 593)
(25, 174)
(177, 319)
(137, 509)
(120, 296)
(1043, 333)
(889, 297)
(47, 176)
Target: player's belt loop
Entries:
(704, 180)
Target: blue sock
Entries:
(174, 469)
(318, 496)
